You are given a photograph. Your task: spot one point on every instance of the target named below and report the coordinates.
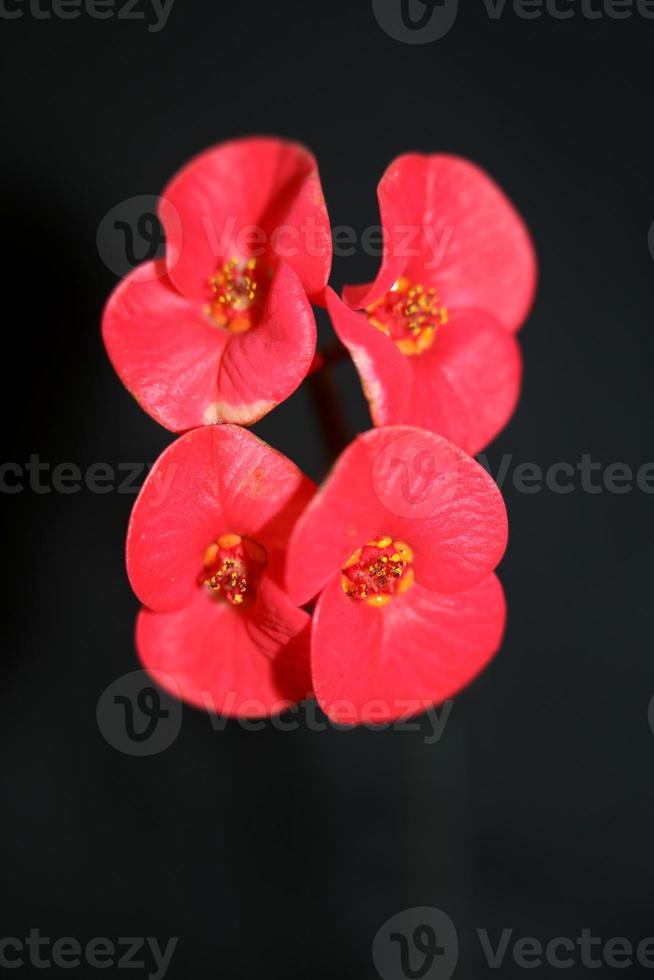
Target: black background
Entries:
(275, 854)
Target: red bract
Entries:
(433, 342)
(223, 330)
(205, 553)
(400, 544)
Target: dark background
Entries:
(275, 854)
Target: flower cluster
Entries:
(378, 589)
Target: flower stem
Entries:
(332, 354)
(324, 394)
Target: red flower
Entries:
(205, 552)
(400, 544)
(433, 342)
(223, 330)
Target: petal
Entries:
(385, 663)
(400, 212)
(466, 386)
(246, 197)
(384, 371)
(242, 663)
(162, 347)
(447, 224)
(262, 367)
(212, 481)
(410, 484)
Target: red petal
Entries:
(223, 194)
(447, 224)
(243, 663)
(400, 211)
(466, 386)
(162, 348)
(262, 367)
(384, 371)
(385, 663)
(211, 481)
(415, 486)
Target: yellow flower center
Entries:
(233, 567)
(410, 314)
(238, 291)
(378, 571)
